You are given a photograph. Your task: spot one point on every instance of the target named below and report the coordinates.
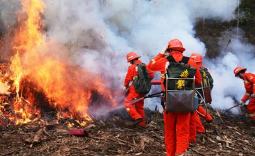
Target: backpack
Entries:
(179, 70)
(179, 82)
(204, 90)
(142, 82)
(209, 78)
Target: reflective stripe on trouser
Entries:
(205, 115)
(176, 132)
(251, 108)
(136, 111)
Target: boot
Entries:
(137, 121)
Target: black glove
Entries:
(242, 103)
(163, 101)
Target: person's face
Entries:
(240, 75)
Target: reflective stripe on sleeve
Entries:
(252, 115)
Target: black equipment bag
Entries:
(180, 70)
(205, 88)
(142, 81)
(180, 87)
(210, 79)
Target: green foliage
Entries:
(247, 11)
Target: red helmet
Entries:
(237, 70)
(176, 44)
(197, 57)
(131, 56)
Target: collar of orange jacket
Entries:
(138, 62)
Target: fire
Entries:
(44, 63)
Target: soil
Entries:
(227, 135)
(117, 136)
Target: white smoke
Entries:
(107, 30)
(235, 52)
(99, 33)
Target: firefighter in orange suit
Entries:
(136, 111)
(176, 124)
(249, 84)
(195, 122)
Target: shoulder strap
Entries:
(205, 69)
(170, 59)
(185, 60)
(138, 64)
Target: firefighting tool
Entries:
(180, 87)
(156, 82)
(239, 104)
(204, 90)
(134, 101)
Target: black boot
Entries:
(137, 121)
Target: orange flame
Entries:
(67, 86)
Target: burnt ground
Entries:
(227, 135)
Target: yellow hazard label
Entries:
(184, 74)
(204, 74)
(180, 84)
(205, 82)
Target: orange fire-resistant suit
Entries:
(136, 111)
(195, 122)
(249, 84)
(176, 124)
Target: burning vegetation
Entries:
(43, 95)
(36, 79)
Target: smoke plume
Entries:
(97, 35)
(235, 52)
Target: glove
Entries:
(252, 95)
(242, 103)
(163, 52)
(163, 102)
